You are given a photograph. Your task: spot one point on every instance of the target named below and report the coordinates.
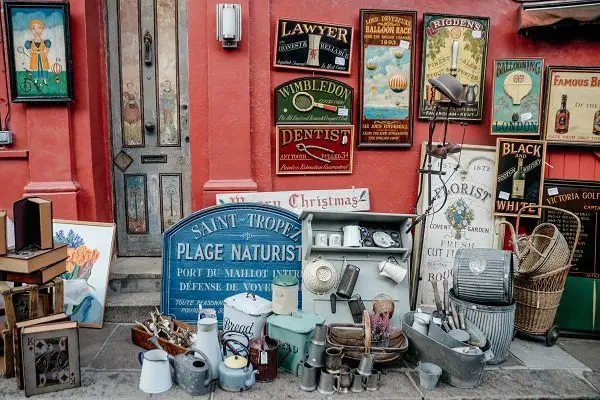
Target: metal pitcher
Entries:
(471, 94)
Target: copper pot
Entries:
(263, 355)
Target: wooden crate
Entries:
(33, 291)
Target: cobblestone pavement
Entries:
(569, 370)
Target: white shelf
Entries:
(331, 249)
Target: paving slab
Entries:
(91, 342)
(119, 353)
(539, 356)
(586, 351)
(593, 378)
(511, 362)
(100, 385)
(518, 384)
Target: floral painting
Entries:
(90, 248)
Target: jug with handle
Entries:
(207, 341)
(156, 371)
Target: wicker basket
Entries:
(535, 310)
(549, 282)
(544, 251)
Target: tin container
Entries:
(484, 276)
(245, 313)
(293, 333)
(263, 355)
(458, 369)
(285, 294)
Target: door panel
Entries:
(148, 78)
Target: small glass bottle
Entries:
(518, 185)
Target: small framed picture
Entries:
(39, 51)
(572, 106)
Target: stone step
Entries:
(130, 307)
(135, 275)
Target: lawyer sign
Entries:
(224, 250)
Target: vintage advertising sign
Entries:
(356, 199)
(309, 45)
(517, 108)
(577, 310)
(463, 220)
(386, 78)
(314, 149)
(572, 106)
(224, 250)
(454, 44)
(314, 100)
(520, 165)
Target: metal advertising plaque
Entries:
(314, 149)
(572, 106)
(317, 46)
(577, 310)
(224, 250)
(519, 175)
(356, 199)
(517, 97)
(463, 220)
(454, 44)
(386, 78)
(314, 100)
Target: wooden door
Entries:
(147, 43)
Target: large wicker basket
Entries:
(544, 251)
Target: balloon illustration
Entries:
(397, 83)
(398, 54)
(371, 65)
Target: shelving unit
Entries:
(370, 283)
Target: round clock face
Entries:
(323, 274)
(382, 239)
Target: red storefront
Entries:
(218, 104)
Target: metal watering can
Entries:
(192, 374)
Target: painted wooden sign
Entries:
(314, 149)
(520, 165)
(311, 45)
(577, 310)
(517, 108)
(572, 106)
(314, 100)
(386, 78)
(457, 45)
(463, 220)
(356, 199)
(224, 250)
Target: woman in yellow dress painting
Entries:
(38, 49)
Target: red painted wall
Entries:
(231, 117)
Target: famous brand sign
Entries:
(572, 107)
(462, 220)
(317, 46)
(356, 199)
(517, 96)
(519, 175)
(457, 45)
(224, 250)
(314, 100)
(386, 78)
(314, 149)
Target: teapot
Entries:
(192, 374)
(235, 372)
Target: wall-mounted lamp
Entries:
(229, 25)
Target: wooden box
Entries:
(141, 338)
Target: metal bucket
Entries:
(496, 322)
(484, 276)
(264, 358)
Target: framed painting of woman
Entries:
(39, 51)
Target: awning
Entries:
(549, 13)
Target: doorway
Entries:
(147, 52)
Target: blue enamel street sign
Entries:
(224, 250)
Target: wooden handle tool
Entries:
(436, 294)
(451, 323)
(461, 317)
(454, 316)
(446, 297)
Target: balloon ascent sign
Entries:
(224, 250)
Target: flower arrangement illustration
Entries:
(81, 258)
(459, 215)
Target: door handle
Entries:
(149, 126)
(147, 48)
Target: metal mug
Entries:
(333, 359)
(328, 383)
(316, 354)
(358, 381)
(373, 381)
(352, 236)
(321, 239)
(335, 240)
(308, 377)
(345, 378)
(319, 335)
(365, 366)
